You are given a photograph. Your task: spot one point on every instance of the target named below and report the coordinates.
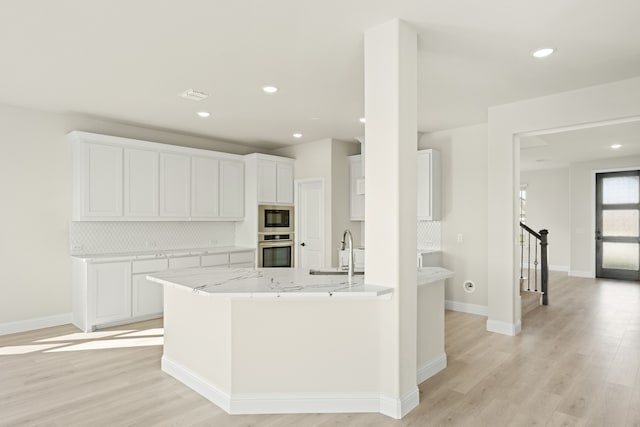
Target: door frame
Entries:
(296, 215)
(592, 232)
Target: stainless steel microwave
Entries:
(275, 219)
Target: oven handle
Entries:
(276, 244)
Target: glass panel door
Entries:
(618, 225)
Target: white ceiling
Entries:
(128, 60)
(563, 148)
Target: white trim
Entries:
(432, 367)
(398, 408)
(563, 268)
(296, 216)
(578, 273)
(196, 383)
(33, 324)
(464, 307)
(292, 403)
(504, 328)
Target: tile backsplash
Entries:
(113, 237)
(429, 234)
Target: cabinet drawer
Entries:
(214, 260)
(149, 265)
(243, 265)
(240, 257)
(184, 262)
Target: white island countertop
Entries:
(281, 282)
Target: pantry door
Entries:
(309, 227)
(618, 225)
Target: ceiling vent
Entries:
(194, 95)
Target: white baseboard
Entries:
(563, 268)
(398, 408)
(578, 273)
(292, 403)
(504, 328)
(431, 368)
(464, 307)
(33, 324)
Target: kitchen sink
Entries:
(331, 272)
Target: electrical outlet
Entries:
(213, 242)
(460, 238)
(151, 244)
(76, 248)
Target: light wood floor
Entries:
(575, 363)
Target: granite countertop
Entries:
(269, 282)
(428, 275)
(166, 253)
(281, 282)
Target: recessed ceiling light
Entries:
(297, 135)
(204, 113)
(270, 89)
(543, 53)
(363, 120)
(616, 146)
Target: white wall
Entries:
(601, 103)
(35, 160)
(464, 208)
(327, 159)
(549, 206)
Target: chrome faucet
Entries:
(346, 236)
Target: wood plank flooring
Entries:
(576, 362)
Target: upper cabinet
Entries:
(428, 187)
(119, 179)
(231, 188)
(205, 183)
(275, 180)
(141, 183)
(356, 188)
(99, 188)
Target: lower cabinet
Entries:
(146, 297)
(115, 292)
(110, 291)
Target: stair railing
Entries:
(539, 239)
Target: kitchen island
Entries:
(285, 341)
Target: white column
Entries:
(390, 203)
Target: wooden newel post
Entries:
(544, 276)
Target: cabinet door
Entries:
(140, 183)
(231, 189)
(146, 296)
(110, 292)
(204, 187)
(428, 186)
(175, 185)
(424, 183)
(357, 200)
(101, 181)
(267, 181)
(284, 183)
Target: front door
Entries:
(618, 225)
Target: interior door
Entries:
(618, 225)
(310, 225)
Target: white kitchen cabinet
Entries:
(175, 185)
(99, 179)
(267, 181)
(356, 175)
(205, 183)
(214, 260)
(109, 292)
(284, 181)
(141, 183)
(146, 298)
(231, 189)
(275, 181)
(428, 186)
(184, 262)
